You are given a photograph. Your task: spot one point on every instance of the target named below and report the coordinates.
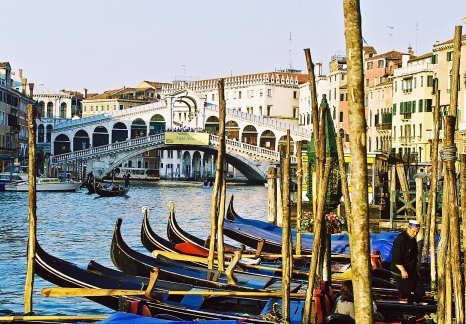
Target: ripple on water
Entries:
(78, 227)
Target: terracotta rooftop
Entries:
(369, 49)
(156, 84)
(103, 95)
(384, 83)
(392, 55)
(3, 64)
(420, 57)
(450, 41)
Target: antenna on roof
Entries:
(417, 29)
(390, 34)
(291, 65)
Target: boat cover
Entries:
(120, 317)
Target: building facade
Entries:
(14, 132)
(412, 116)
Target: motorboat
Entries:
(16, 178)
(43, 184)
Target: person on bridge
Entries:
(127, 175)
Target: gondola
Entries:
(181, 307)
(177, 235)
(248, 231)
(114, 190)
(151, 241)
(135, 263)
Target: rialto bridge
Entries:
(107, 140)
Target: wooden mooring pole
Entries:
(218, 173)
(299, 195)
(359, 217)
(32, 209)
(286, 236)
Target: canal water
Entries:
(78, 227)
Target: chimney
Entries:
(31, 90)
(404, 59)
(23, 84)
(85, 93)
(410, 51)
(20, 73)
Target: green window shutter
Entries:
(414, 106)
(402, 106)
(420, 105)
(394, 109)
(430, 80)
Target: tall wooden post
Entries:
(218, 173)
(221, 217)
(343, 175)
(32, 208)
(359, 218)
(319, 225)
(432, 207)
(463, 200)
(299, 195)
(286, 236)
(272, 195)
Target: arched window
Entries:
(63, 110)
(40, 134)
(50, 110)
(48, 137)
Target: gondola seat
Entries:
(193, 301)
(376, 260)
(139, 307)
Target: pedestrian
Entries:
(425, 178)
(404, 265)
(345, 302)
(127, 176)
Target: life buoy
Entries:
(139, 307)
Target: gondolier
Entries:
(404, 265)
(127, 175)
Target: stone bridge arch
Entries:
(157, 124)
(138, 128)
(119, 132)
(100, 136)
(81, 140)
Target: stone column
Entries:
(201, 167)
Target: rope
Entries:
(448, 153)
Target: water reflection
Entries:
(78, 227)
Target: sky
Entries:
(107, 44)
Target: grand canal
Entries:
(78, 227)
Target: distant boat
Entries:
(142, 174)
(112, 191)
(15, 178)
(43, 184)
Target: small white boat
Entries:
(44, 184)
(15, 178)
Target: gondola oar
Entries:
(152, 293)
(96, 292)
(184, 257)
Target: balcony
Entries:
(430, 135)
(383, 127)
(406, 116)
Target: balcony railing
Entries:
(406, 115)
(383, 126)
